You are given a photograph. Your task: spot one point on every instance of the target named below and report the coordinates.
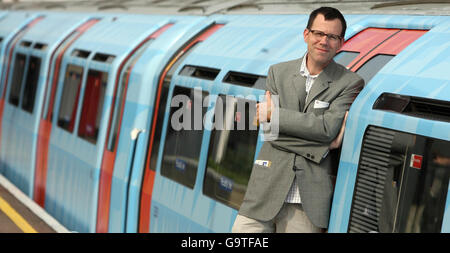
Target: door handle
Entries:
(135, 133)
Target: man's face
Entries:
(322, 49)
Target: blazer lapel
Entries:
(299, 84)
(321, 84)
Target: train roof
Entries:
(208, 7)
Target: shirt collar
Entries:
(304, 70)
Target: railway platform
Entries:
(20, 214)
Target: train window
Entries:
(40, 46)
(245, 79)
(31, 83)
(402, 183)
(199, 72)
(81, 53)
(372, 66)
(345, 57)
(164, 95)
(69, 98)
(103, 57)
(91, 112)
(231, 150)
(424, 188)
(25, 43)
(166, 78)
(184, 136)
(414, 106)
(180, 60)
(17, 79)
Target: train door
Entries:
(162, 94)
(114, 129)
(71, 184)
(45, 125)
(18, 109)
(7, 55)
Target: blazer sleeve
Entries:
(312, 150)
(270, 82)
(323, 127)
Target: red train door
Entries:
(115, 120)
(45, 125)
(158, 115)
(361, 44)
(369, 50)
(392, 46)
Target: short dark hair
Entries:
(329, 13)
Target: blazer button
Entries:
(312, 157)
(308, 155)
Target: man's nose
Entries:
(324, 40)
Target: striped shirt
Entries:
(294, 193)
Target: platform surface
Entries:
(19, 214)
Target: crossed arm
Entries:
(325, 129)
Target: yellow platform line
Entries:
(16, 217)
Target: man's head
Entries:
(329, 13)
(324, 36)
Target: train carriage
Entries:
(393, 172)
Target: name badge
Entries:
(263, 163)
(320, 104)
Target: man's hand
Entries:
(336, 143)
(263, 110)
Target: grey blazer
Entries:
(306, 129)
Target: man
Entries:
(292, 181)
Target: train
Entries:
(88, 99)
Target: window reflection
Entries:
(416, 185)
(16, 85)
(69, 98)
(183, 144)
(345, 57)
(372, 66)
(31, 84)
(231, 150)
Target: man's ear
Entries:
(305, 33)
